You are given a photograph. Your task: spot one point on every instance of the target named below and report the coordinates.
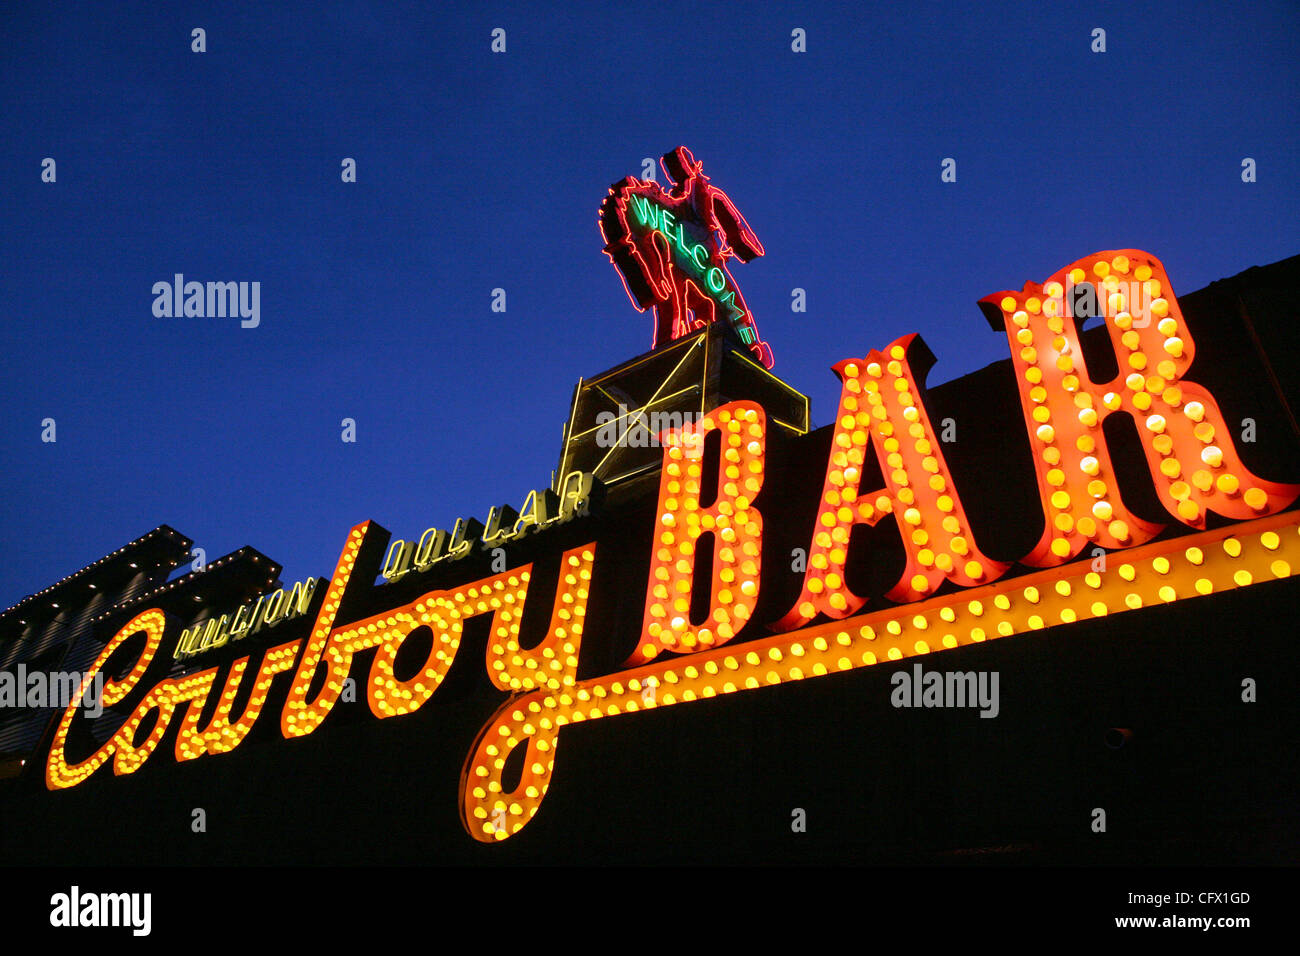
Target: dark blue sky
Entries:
(478, 171)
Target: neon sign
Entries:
(697, 638)
(671, 249)
(268, 611)
(543, 508)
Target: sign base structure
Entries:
(617, 416)
(1040, 613)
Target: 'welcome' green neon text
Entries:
(651, 216)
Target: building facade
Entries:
(900, 637)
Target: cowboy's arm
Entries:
(737, 232)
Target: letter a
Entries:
(881, 404)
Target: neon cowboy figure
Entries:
(671, 248)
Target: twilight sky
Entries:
(478, 171)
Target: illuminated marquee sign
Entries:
(671, 248)
(698, 638)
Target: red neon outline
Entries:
(645, 261)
